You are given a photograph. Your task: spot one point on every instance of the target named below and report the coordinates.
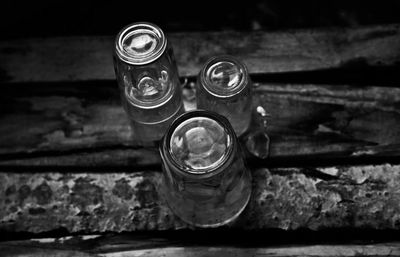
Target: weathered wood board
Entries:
(71, 246)
(282, 198)
(67, 125)
(90, 58)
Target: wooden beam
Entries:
(316, 250)
(336, 197)
(18, 251)
(74, 125)
(90, 58)
(36, 248)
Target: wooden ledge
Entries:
(73, 125)
(290, 198)
(66, 249)
(90, 58)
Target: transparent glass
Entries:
(224, 86)
(148, 80)
(205, 180)
(257, 141)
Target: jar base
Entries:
(209, 214)
(223, 223)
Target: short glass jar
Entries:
(205, 180)
(148, 80)
(224, 86)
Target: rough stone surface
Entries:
(285, 198)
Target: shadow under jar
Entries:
(224, 86)
(148, 80)
(205, 180)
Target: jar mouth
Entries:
(199, 142)
(140, 43)
(224, 76)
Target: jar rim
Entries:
(150, 33)
(215, 91)
(167, 154)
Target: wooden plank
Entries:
(90, 58)
(53, 247)
(74, 125)
(17, 251)
(317, 250)
(111, 243)
(96, 159)
(363, 197)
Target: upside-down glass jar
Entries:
(224, 86)
(148, 80)
(205, 180)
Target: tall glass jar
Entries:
(205, 180)
(148, 80)
(224, 86)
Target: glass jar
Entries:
(205, 180)
(148, 80)
(224, 86)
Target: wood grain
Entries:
(316, 250)
(90, 58)
(36, 248)
(363, 197)
(74, 125)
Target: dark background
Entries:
(67, 18)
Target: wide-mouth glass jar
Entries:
(224, 86)
(205, 180)
(148, 80)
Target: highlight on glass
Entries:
(205, 180)
(148, 80)
(224, 86)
